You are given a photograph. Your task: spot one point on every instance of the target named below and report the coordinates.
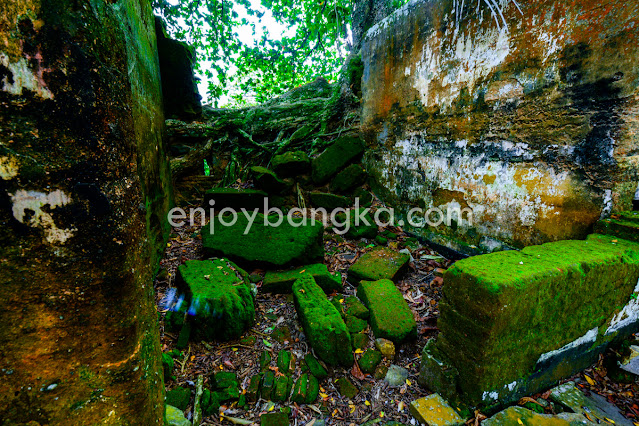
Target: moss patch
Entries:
(267, 180)
(323, 325)
(292, 163)
(377, 264)
(370, 360)
(335, 157)
(328, 201)
(625, 225)
(390, 316)
(264, 245)
(282, 281)
(352, 176)
(219, 298)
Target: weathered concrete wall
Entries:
(530, 119)
(83, 196)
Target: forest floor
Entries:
(376, 401)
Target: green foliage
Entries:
(314, 43)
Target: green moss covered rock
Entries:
(178, 397)
(495, 311)
(622, 225)
(370, 360)
(360, 340)
(357, 223)
(379, 263)
(285, 362)
(267, 180)
(349, 178)
(264, 245)
(336, 157)
(329, 201)
(314, 367)
(390, 316)
(305, 390)
(354, 324)
(175, 417)
(292, 163)
(346, 388)
(323, 324)
(219, 298)
(167, 366)
(236, 199)
(282, 281)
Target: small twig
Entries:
(197, 409)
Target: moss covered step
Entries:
(336, 157)
(219, 298)
(236, 199)
(268, 181)
(514, 322)
(323, 325)
(282, 281)
(281, 245)
(292, 163)
(379, 263)
(329, 201)
(357, 223)
(349, 178)
(623, 225)
(390, 316)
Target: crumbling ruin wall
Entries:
(529, 118)
(84, 190)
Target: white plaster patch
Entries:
(607, 204)
(492, 395)
(23, 78)
(32, 202)
(628, 315)
(589, 337)
(511, 386)
(8, 168)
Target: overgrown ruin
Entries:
(132, 297)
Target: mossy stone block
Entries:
(381, 240)
(495, 309)
(282, 389)
(264, 244)
(390, 316)
(346, 388)
(379, 263)
(253, 389)
(267, 180)
(219, 297)
(336, 157)
(434, 410)
(235, 199)
(274, 419)
(285, 362)
(357, 223)
(622, 225)
(282, 334)
(329, 201)
(167, 366)
(305, 390)
(314, 367)
(292, 163)
(282, 281)
(370, 360)
(352, 176)
(360, 340)
(354, 324)
(323, 324)
(226, 386)
(184, 336)
(265, 360)
(178, 397)
(362, 197)
(353, 306)
(268, 385)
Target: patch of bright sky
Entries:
(245, 33)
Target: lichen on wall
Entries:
(529, 120)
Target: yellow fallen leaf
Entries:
(367, 403)
(408, 382)
(359, 351)
(302, 271)
(589, 380)
(609, 420)
(520, 422)
(234, 349)
(341, 300)
(323, 395)
(400, 406)
(271, 408)
(352, 407)
(381, 414)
